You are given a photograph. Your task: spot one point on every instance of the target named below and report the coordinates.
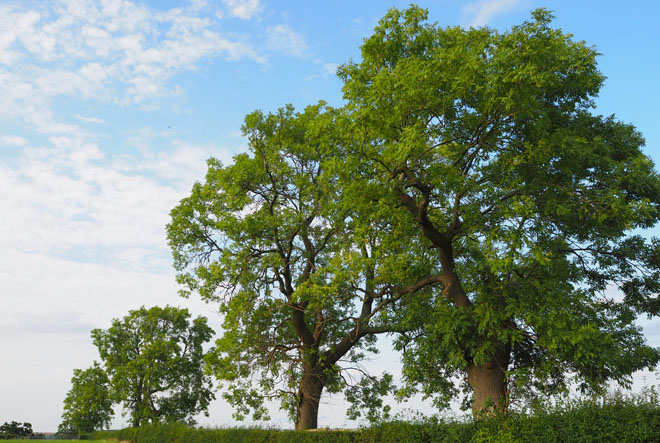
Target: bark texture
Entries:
(488, 381)
(309, 396)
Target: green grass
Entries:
(63, 441)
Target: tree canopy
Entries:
(154, 361)
(466, 199)
(87, 406)
(302, 289)
(531, 205)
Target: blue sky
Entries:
(109, 108)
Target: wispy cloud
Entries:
(480, 13)
(72, 199)
(90, 119)
(112, 51)
(69, 197)
(245, 9)
(12, 140)
(284, 39)
(330, 68)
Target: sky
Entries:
(109, 109)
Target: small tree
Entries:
(15, 429)
(87, 406)
(154, 361)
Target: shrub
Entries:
(616, 418)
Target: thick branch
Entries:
(442, 241)
(298, 316)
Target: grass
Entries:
(62, 441)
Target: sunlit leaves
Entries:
(489, 139)
(87, 406)
(301, 267)
(154, 361)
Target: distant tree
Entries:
(15, 429)
(154, 361)
(87, 406)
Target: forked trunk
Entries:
(488, 381)
(309, 396)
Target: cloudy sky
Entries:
(109, 108)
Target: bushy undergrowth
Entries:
(617, 418)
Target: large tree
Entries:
(532, 206)
(87, 406)
(154, 359)
(302, 290)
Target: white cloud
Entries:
(185, 163)
(72, 199)
(330, 68)
(245, 9)
(196, 5)
(90, 119)
(284, 39)
(14, 26)
(481, 12)
(12, 140)
(105, 50)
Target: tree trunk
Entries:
(488, 381)
(136, 414)
(309, 395)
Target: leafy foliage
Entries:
(365, 398)
(616, 418)
(485, 145)
(304, 288)
(15, 429)
(466, 198)
(87, 406)
(154, 361)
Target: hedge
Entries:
(615, 419)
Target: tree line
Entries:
(465, 201)
(14, 429)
